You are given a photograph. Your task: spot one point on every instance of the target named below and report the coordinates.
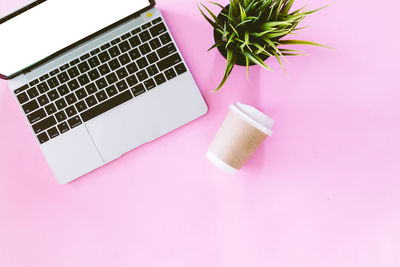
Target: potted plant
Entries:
(248, 32)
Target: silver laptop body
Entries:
(108, 95)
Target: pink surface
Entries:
(323, 191)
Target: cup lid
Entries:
(254, 117)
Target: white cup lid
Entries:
(254, 117)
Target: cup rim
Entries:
(264, 128)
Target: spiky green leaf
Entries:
(301, 42)
(255, 59)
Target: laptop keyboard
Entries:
(100, 80)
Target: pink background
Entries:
(323, 191)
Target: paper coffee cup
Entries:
(242, 132)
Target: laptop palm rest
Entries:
(146, 117)
(124, 128)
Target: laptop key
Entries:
(93, 62)
(169, 62)
(63, 77)
(144, 36)
(63, 127)
(95, 51)
(71, 111)
(105, 46)
(50, 108)
(122, 85)
(114, 64)
(83, 67)
(64, 67)
(73, 85)
(149, 84)
(115, 41)
(134, 41)
(170, 73)
(71, 99)
(124, 46)
(60, 116)
(111, 91)
(43, 100)
(44, 77)
(106, 106)
(138, 90)
(160, 79)
(101, 96)
(157, 20)
(126, 36)
(135, 31)
(36, 116)
(83, 79)
(144, 49)
(21, 89)
(104, 56)
(142, 75)
(111, 78)
(85, 56)
(54, 72)
(165, 38)
(33, 92)
(152, 70)
(34, 82)
(30, 106)
(132, 68)
(132, 80)
(142, 63)
(81, 93)
(53, 132)
(122, 73)
(134, 54)
(155, 43)
(61, 104)
(114, 51)
(43, 138)
(91, 88)
(94, 74)
(73, 72)
(166, 50)
(22, 98)
(180, 68)
(81, 106)
(53, 82)
(91, 101)
(151, 58)
(124, 59)
(104, 69)
(101, 83)
(74, 62)
(44, 124)
(74, 122)
(158, 29)
(147, 25)
(43, 87)
(53, 95)
(63, 90)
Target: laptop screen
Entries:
(53, 25)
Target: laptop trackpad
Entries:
(124, 128)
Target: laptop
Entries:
(95, 79)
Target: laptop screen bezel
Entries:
(152, 3)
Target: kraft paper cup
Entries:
(244, 129)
